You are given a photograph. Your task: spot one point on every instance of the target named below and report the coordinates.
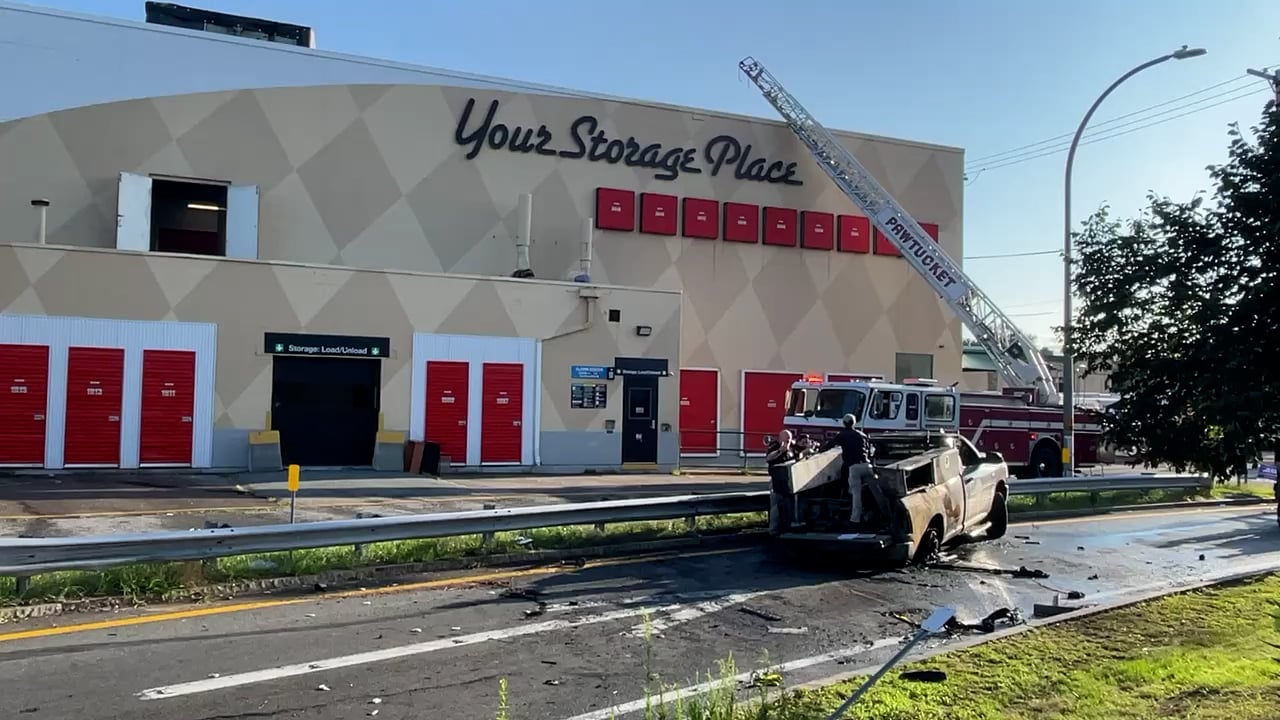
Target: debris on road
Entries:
(376, 701)
(550, 682)
(762, 614)
(788, 630)
(765, 678)
(415, 630)
(322, 688)
(541, 609)
(1005, 616)
(1040, 610)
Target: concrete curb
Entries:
(1035, 624)
(382, 574)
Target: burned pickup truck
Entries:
(929, 490)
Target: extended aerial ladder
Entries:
(1012, 351)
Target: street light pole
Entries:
(1068, 361)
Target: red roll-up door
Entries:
(447, 385)
(699, 411)
(764, 397)
(168, 406)
(24, 399)
(502, 414)
(95, 393)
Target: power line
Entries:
(1055, 151)
(1031, 151)
(1104, 123)
(1012, 255)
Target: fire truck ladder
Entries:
(1012, 351)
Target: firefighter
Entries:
(855, 461)
(781, 450)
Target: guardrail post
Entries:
(486, 539)
(359, 548)
(22, 584)
(208, 566)
(691, 524)
(600, 528)
(1095, 498)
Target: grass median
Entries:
(151, 581)
(1206, 655)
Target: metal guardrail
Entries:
(29, 556)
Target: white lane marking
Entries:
(694, 690)
(285, 671)
(688, 614)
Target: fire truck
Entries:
(1028, 436)
(1025, 422)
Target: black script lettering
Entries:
(587, 123)
(687, 159)
(477, 137)
(521, 140)
(633, 149)
(614, 151)
(499, 136)
(599, 143)
(722, 150)
(544, 137)
(780, 172)
(753, 170)
(651, 157)
(670, 164)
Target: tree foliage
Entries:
(1180, 305)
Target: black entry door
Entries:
(640, 419)
(326, 409)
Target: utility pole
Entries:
(1271, 77)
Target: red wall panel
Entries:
(741, 222)
(781, 226)
(817, 230)
(502, 414)
(658, 214)
(95, 395)
(168, 406)
(615, 209)
(854, 234)
(699, 411)
(763, 405)
(448, 393)
(24, 399)
(882, 246)
(701, 218)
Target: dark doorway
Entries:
(640, 378)
(326, 409)
(188, 217)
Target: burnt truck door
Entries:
(979, 482)
(948, 475)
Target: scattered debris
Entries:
(1093, 576)
(987, 624)
(310, 615)
(1045, 611)
(415, 630)
(322, 688)
(550, 682)
(516, 593)
(788, 630)
(1024, 572)
(523, 541)
(579, 562)
(1030, 542)
(1201, 557)
(320, 587)
(549, 662)
(765, 678)
(1022, 537)
(455, 628)
(1080, 547)
(375, 701)
(535, 612)
(933, 676)
(1075, 595)
(762, 614)
(215, 675)
(373, 712)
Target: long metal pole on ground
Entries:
(1068, 360)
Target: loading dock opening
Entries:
(326, 395)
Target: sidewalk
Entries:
(67, 505)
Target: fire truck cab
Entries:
(815, 406)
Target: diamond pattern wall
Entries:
(370, 176)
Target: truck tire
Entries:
(930, 545)
(1046, 461)
(998, 518)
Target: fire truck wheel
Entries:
(998, 518)
(1046, 461)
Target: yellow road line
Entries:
(363, 592)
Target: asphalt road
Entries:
(439, 651)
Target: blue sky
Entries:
(986, 75)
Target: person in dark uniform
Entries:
(855, 460)
(781, 450)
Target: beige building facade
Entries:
(395, 210)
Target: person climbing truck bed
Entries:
(912, 494)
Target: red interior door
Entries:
(447, 385)
(763, 406)
(501, 426)
(699, 411)
(95, 393)
(168, 406)
(24, 397)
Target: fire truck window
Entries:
(939, 408)
(886, 405)
(835, 404)
(796, 402)
(913, 407)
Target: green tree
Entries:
(1180, 306)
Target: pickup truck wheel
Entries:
(930, 546)
(998, 518)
